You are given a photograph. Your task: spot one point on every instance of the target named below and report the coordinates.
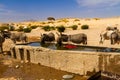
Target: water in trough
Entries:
(75, 47)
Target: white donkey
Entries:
(111, 35)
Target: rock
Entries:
(68, 76)
(17, 66)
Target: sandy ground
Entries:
(11, 69)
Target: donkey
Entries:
(2, 39)
(109, 35)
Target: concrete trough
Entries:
(78, 62)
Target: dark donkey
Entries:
(15, 36)
(2, 39)
(75, 38)
(115, 38)
(47, 38)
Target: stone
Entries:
(68, 76)
(17, 66)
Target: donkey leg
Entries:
(112, 41)
(1, 48)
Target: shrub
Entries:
(2, 28)
(11, 28)
(51, 18)
(65, 20)
(84, 27)
(27, 30)
(20, 28)
(33, 27)
(61, 28)
(97, 18)
(74, 27)
(46, 28)
(52, 28)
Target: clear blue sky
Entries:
(20, 10)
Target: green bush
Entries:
(11, 28)
(65, 20)
(74, 27)
(61, 28)
(51, 18)
(2, 28)
(20, 28)
(84, 27)
(27, 30)
(48, 28)
(33, 27)
(52, 28)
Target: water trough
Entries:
(79, 59)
